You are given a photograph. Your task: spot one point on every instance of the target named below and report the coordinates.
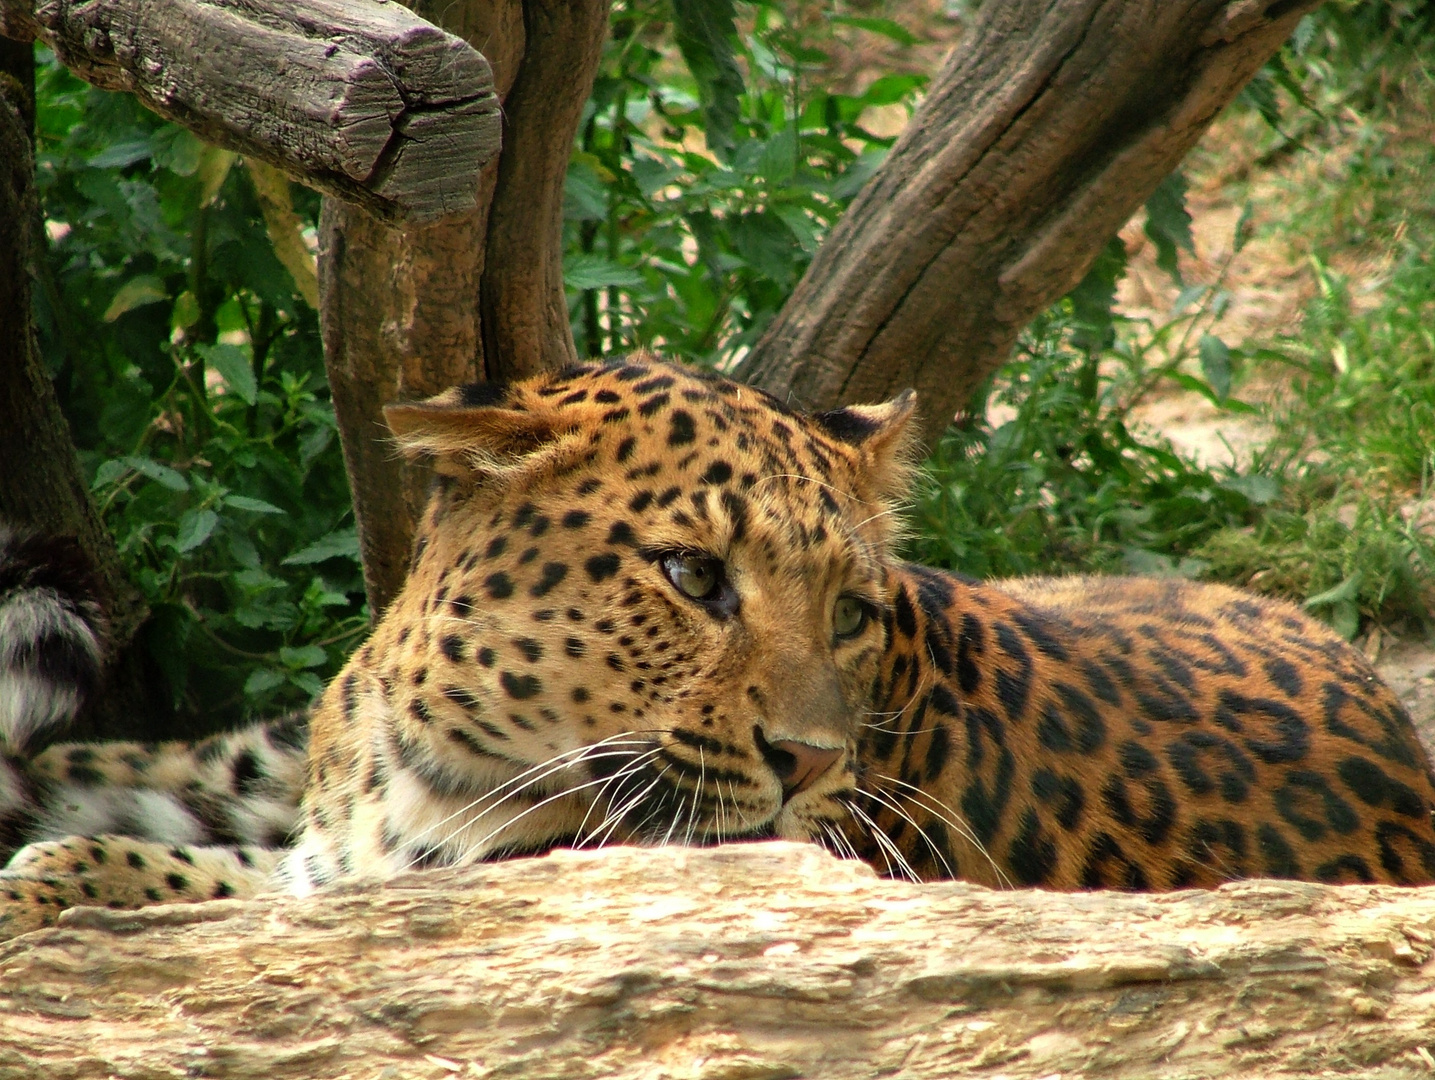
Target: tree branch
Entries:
(1045, 131)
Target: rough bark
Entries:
(365, 101)
(1046, 129)
(759, 961)
(525, 311)
(41, 485)
(400, 308)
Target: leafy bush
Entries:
(696, 200)
(192, 377)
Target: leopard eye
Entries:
(696, 576)
(849, 616)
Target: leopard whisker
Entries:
(654, 812)
(867, 823)
(617, 777)
(693, 813)
(611, 819)
(884, 843)
(479, 846)
(888, 512)
(811, 480)
(617, 813)
(682, 801)
(845, 848)
(526, 778)
(949, 817)
(892, 805)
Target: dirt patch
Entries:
(1409, 668)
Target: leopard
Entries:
(648, 604)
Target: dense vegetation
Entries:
(708, 167)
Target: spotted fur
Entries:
(120, 824)
(52, 629)
(647, 604)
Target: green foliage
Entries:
(193, 381)
(1062, 484)
(692, 252)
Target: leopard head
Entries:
(650, 592)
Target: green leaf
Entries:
(1256, 488)
(1244, 227)
(195, 527)
(778, 161)
(1347, 590)
(160, 474)
(584, 197)
(1168, 224)
(1188, 296)
(706, 34)
(801, 225)
(1094, 296)
(886, 27)
(307, 681)
(584, 271)
(339, 543)
(254, 506)
(261, 681)
(177, 150)
(108, 473)
(1260, 94)
(185, 312)
(1216, 364)
(1345, 619)
(234, 368)
(766, 244)
(120, 154)
(134, 293)
(305, 656)
(1136, 560)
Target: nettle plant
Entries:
(710, 162)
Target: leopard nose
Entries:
(797, 764)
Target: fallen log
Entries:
(753, 961)
(360, 99)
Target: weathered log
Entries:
(756, 961)
(357, 98)
(1047, 128)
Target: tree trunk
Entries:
(752, 961)
(41, 485)
(1048, 127)
(400, 308)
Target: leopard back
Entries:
(1136, 733)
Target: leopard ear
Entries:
(885, 437)
(476, 430)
